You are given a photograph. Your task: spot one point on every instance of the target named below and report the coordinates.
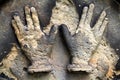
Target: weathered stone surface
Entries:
(59, 55)
(7, 37)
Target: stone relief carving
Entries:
(83, 43)
(34, 42)
(87, 47)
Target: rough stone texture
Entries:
(44, 7)
(60, 55)
(85, 40)
(36, 45)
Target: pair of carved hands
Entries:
(36, 44)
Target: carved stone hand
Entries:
(34, 42)
(85, 41)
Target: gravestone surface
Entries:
(12, 57)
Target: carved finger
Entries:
(35, 19)
(19, 24)
(52, 33)
(89, 14)
(102, 29)
(83, 17)
(14, 25)
(98, 34)
(99, 22)
(104, 25)
(28, 18)
(17, 32)
(65, 34)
